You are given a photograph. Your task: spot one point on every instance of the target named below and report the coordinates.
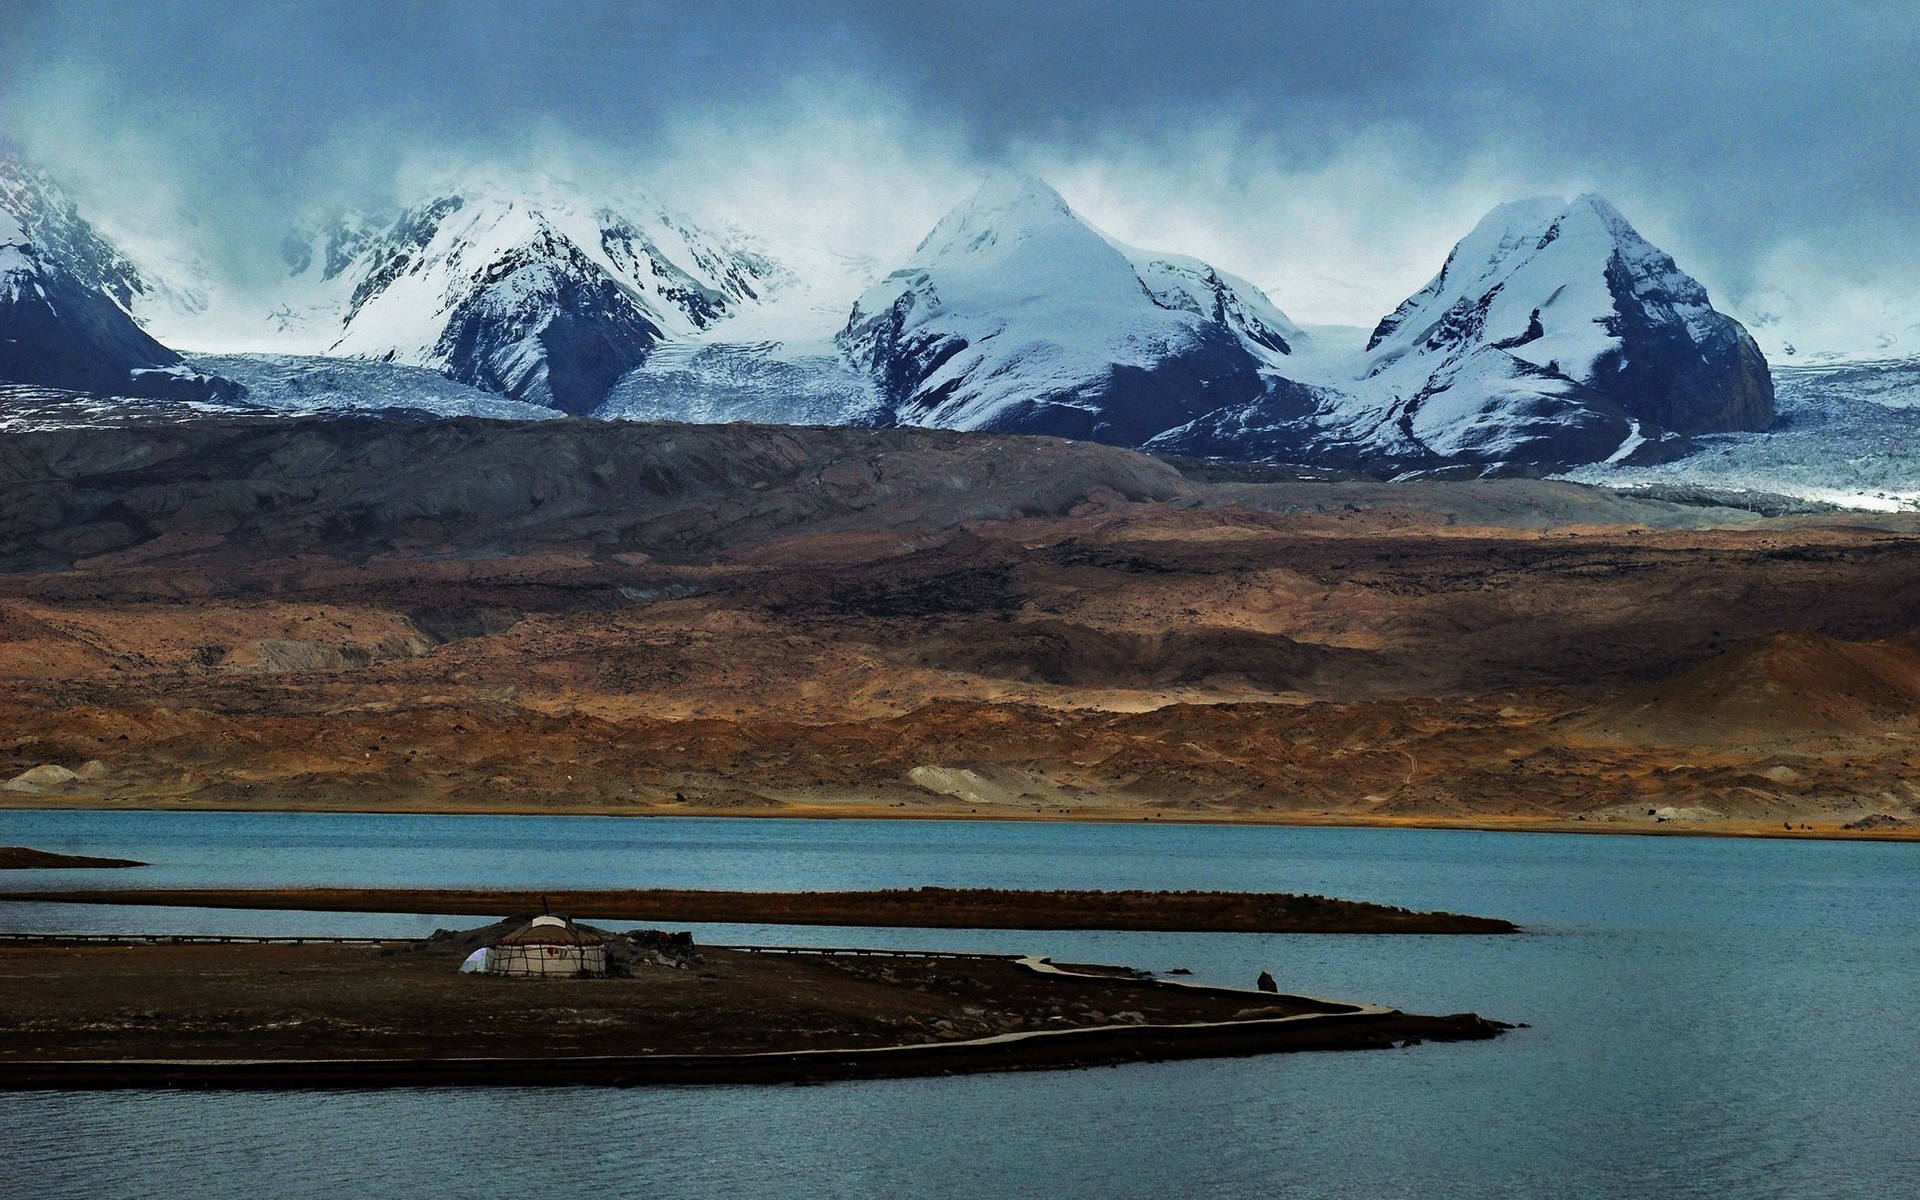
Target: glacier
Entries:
(1844, 437)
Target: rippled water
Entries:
(1710, 1018)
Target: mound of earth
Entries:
(1784, 687)
(52, 777)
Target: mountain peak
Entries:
(1515, 225)
(1529, 211)
(1601, 207)
(1008, 188)
(1562, 237)
(555, 196)
(1007, 204)
(1529, 225)
(1016, 314)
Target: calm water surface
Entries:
(1709, 1018)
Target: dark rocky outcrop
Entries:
(1705, 377)
(560, 339)
(56, 332)
(64, 297)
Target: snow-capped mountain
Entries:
(1014, 314)
(58, 332)
(1573, 296)
(530, 289)
(64, 292)
(1554, 334)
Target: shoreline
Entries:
(874, 811)
(1040, 1050)
(26, 858)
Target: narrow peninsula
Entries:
(910, 908)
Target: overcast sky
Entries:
(1330, 152)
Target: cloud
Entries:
(1338, 239)
(835, 164)
(1331, 152)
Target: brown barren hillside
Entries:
(581, 617)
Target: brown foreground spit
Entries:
(181, 1013)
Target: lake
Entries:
(1708, 1017)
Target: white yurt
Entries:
(548, 946)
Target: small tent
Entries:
(548, 946)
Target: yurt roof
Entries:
(551, 931)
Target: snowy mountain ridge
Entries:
(42, 215)
(531, 292)
(1553, 333)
